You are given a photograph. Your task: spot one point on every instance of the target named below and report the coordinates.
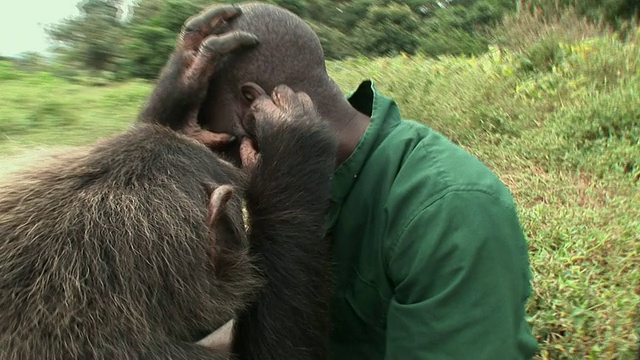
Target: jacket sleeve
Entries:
(460, 274)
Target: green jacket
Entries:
(430, 259)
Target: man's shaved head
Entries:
(289, 53)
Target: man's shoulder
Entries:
(430, 167)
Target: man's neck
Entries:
(347, 122)
(349, 126)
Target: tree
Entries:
(152, 33)
(92, 39)
(335, 44)
(612, 12)
(388, 30)
(31, 61)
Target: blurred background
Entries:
(545, 92)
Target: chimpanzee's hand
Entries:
(284, 106)
(183, 82)
(283, 120)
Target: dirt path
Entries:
(16, 161)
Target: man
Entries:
(430, 259)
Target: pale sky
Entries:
(22, 23)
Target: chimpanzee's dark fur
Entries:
(287, 204)
(104, 253)
(107, 253)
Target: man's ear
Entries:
(251, 91)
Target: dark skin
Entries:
(347, 123)
(227, 103)
(182, 84)
(348, 132)
(134, 247)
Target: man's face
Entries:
(222, 112)
(226, 110)
(219, 111)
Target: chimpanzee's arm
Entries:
(183, 82)
(287, 200)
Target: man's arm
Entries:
(461, 277)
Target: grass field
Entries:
(561, 128)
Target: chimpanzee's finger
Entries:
(208, 19)
(305, 102)
(284, 97)
(218, 46)
(213, 49)
(197, 27)
(248, 153)
(215, 140)
(217, 202)
(264, 106)
(209, 139)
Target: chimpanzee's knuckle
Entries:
(228, 43)
(192, 23)
(211, 43)
(211, 19)
(243, 38)
(284, 92)
(305, 101)
(234, 40)
(196, 23)
(302, 105)
(260, 104)
(224, 11)
(280, 88)
(287, 100)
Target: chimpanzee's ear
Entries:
(217, 202)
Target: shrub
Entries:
(8, 71)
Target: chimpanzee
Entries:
(134, 247)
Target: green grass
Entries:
(566, 141)
(560, 124)
(39, 110)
